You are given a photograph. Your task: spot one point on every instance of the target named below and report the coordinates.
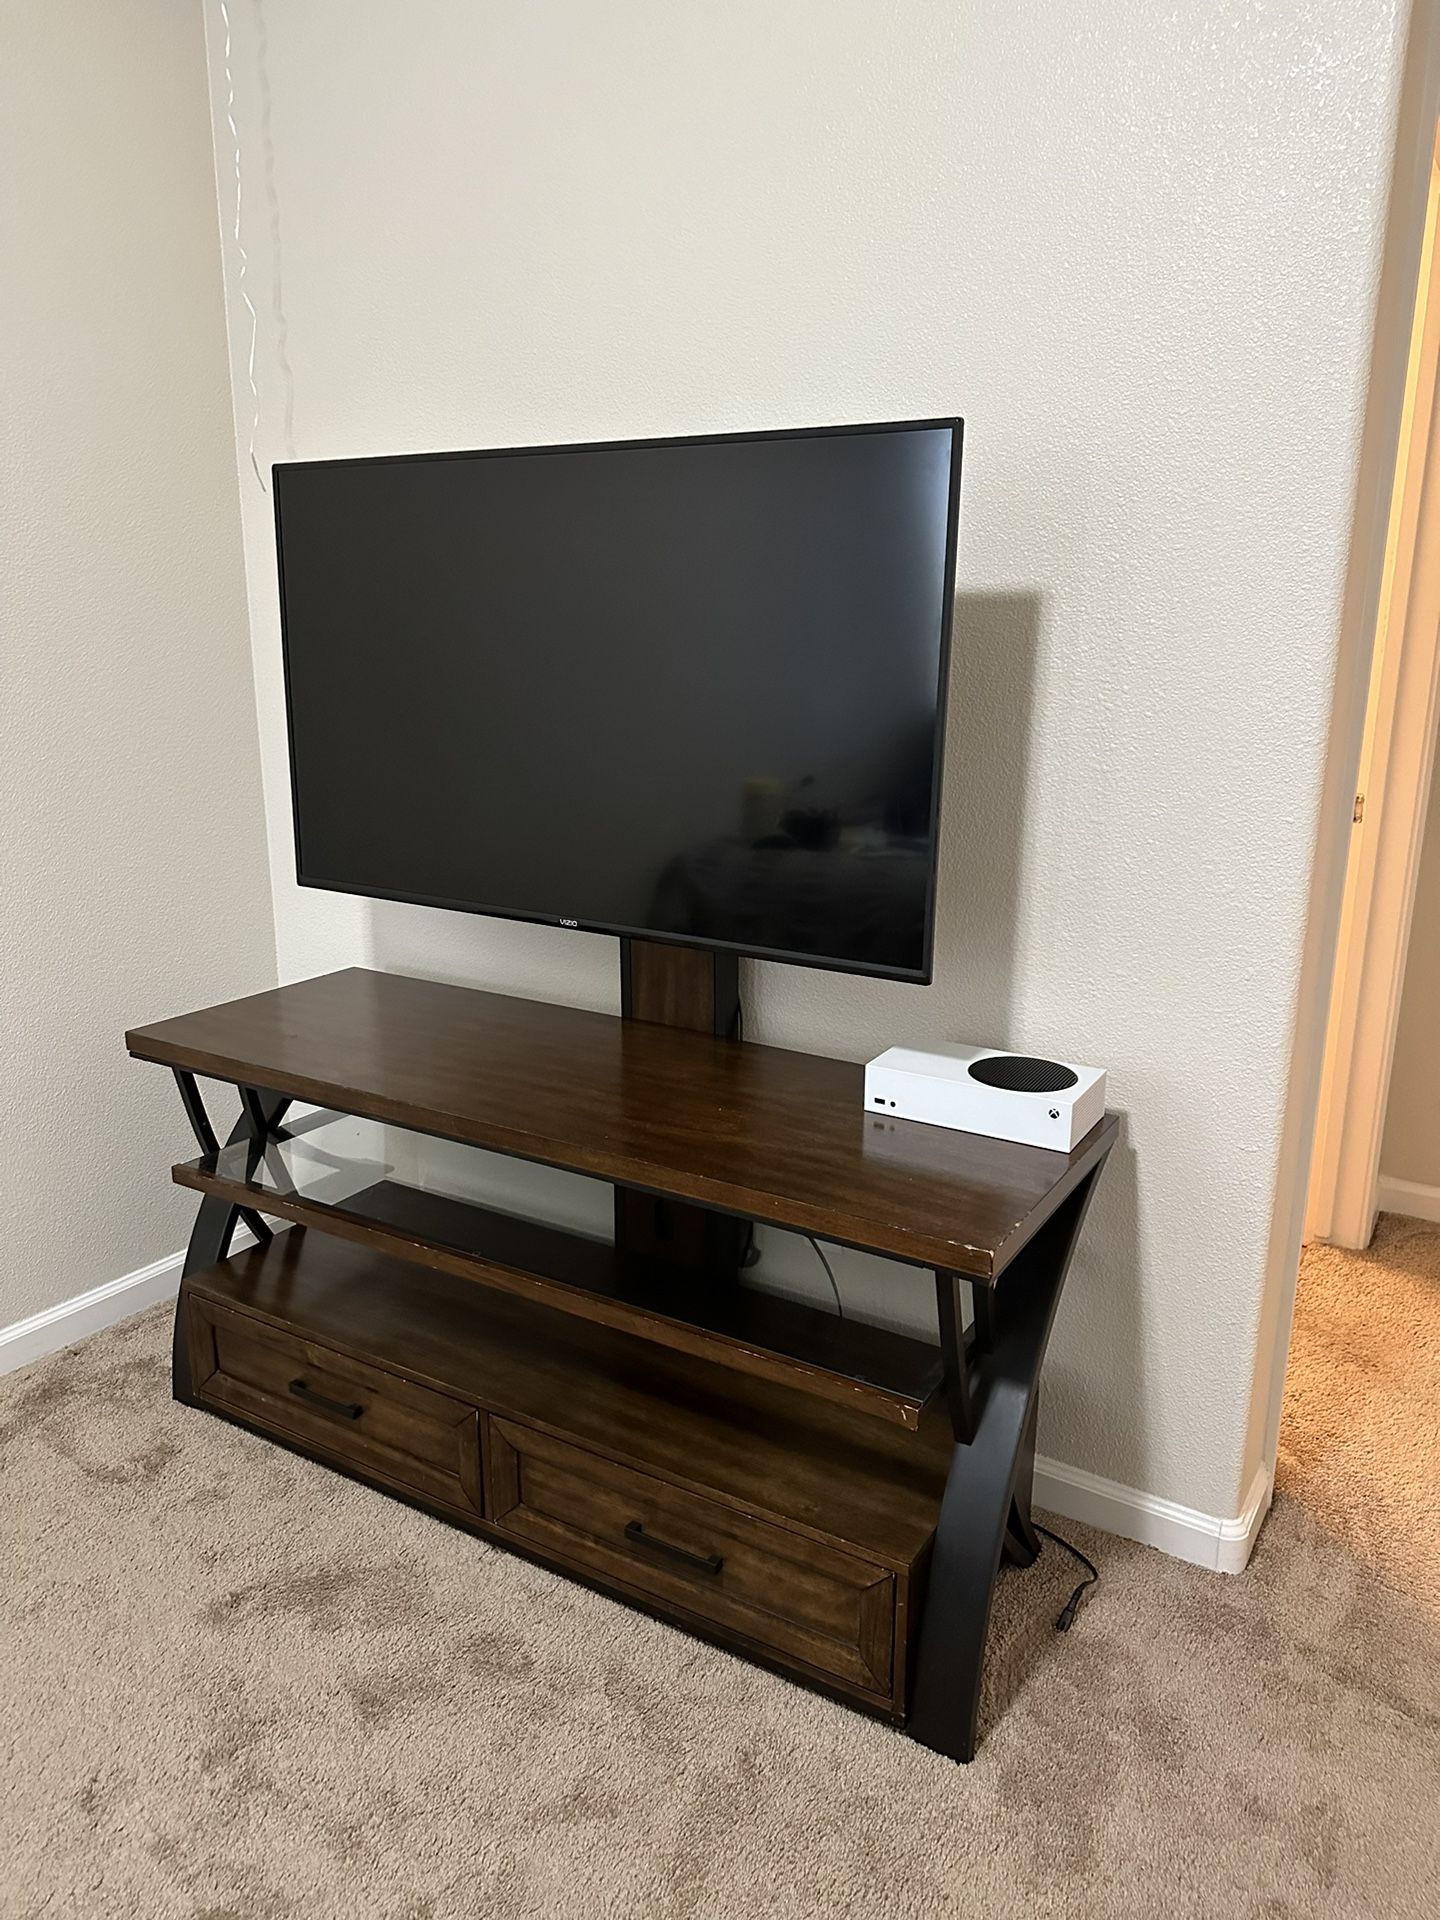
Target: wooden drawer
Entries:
(417, 1440)
(798, 1601)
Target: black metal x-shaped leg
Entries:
(992, 1384)
(215, 1221)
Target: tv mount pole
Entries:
(698, 990)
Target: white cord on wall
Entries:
(277, 302)
(244, 258)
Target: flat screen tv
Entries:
(691, 690)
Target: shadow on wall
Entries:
(982, 836)
(1093, 1405)
(1099, 1334)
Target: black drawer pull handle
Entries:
(347, 1409)
(702, 1562)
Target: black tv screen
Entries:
(686, 689)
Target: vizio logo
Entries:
(569, 923)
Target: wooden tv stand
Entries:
(822, 1496)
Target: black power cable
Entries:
(1092, 1573)
(1071, 1606)
(839, 1308)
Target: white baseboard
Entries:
(1204, 1539)
(75, 1319)
(87, 1313)
(1410, 1197)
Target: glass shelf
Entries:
(302, 1179)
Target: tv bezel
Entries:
(915, 976)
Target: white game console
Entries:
(1009, 1096)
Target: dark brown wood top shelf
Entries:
(756, 1131)
(868, 1369)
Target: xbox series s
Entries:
(1009, 1096)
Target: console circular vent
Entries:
(1018, 1073)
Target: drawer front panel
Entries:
(420, 1441)
(797, 1600)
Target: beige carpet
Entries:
(236, 1687)
(1360, 1439)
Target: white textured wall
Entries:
(132, 860)
(1138, 248)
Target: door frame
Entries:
(1396, 767)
